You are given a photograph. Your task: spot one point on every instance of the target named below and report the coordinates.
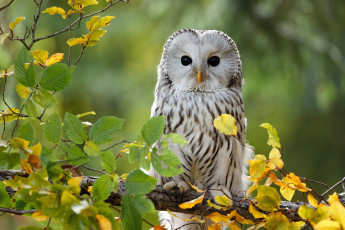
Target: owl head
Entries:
(201, 60)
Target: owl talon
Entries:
(183, 186)
(170, 185)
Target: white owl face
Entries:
(201, 61)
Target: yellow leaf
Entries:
(80, 4)
(85, 114)
(195, 188)
(192, 203)
(214, 227)
(257, 226)
(295, 182)
(90, 24)
(97, 23)
(68, 199)
(226, 124)
(34, 150)
(257, 167)
(296, 225)
(93, 36)
(215, 206)
(9, 115)
(22, 91)
(268, 198)
(39, 216)
(305, 212)
(256, 213)
(40, 55)
(19, 143)
(277, 221)
(273, 139)
(321, 213)
(55, 58)
(103, 222)
(337, 212)
(232, 225)
(104, 21)
(56, 10)
(240, 219)
(26, 166)
(275, 164)
(89, 189)
(216, 217)
(223, 200)
(275, 153)
(312, 200)
(287, 193)
(333, 198)
(76, 41)
(74, 184)
(13, 24)
(327, 225)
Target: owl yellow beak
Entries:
(199, 76)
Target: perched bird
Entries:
(200, 78)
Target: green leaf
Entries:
(167, 164)
(30, 109)
(130, 218)
(46, 156)
(143, 205)
(91, 149)
(53, 128)
(74, 129)
(144, 161)
(133, 154)
(153, 129)
(5, 199)
(103, 128)
(54, 171)
(26, 132)
(173, 138)
(74, 154)
(9, 161)
(268, 198)
(45, 99)
(138, 182)
(102, 187)
(24, 76)
(273, 139)
(108, 161)
(56, 77)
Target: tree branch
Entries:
(7, 5)
(170, 200)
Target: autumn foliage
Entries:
(51, 193)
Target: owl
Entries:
(200, 78)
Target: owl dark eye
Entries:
(185, 60)
(213, 61)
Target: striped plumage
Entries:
(210, 159)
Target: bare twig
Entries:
(95, 170)
(17, 212)
(7, 5)
(112, 146)
(34, 24)
(334, 186)
(81, 53)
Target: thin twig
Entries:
(69, 37)
(5, 6)
(81, 53)
(95, 170)
(3, 131)
(34, 24)
(3, 95)
(112, 146)
(147, 222)
(17, 212)
(334, 186)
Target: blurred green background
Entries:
(293, 63)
